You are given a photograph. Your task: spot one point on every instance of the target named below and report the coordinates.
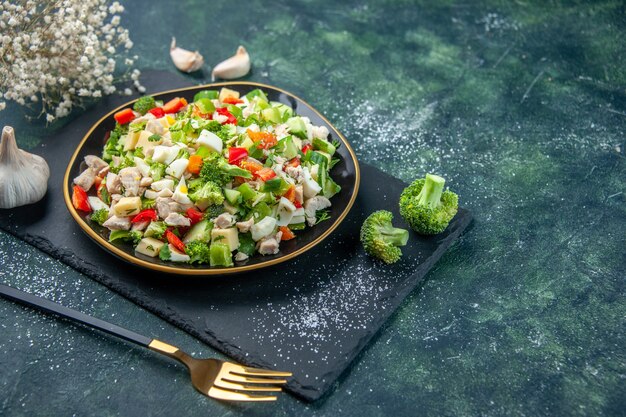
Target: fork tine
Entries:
(225, 394)
(241, 378)
(225, 383)
(249, 371)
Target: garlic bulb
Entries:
(185, 60)
(236, 66)
(23, 176)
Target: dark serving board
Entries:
(311, 315)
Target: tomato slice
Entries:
(251, 166)
(265, 174)
(80, 200)
(290, 194)
(232, 100)
(175, 241)
(236, 155)
(194, 215)
(307, 148)
(125, 116)
(287, 233)
(297, 204)
(295, 162)
(157, 112)
(145, 215)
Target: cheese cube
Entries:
(229, 236)
(144, 142)
(127, 206)
(131, 141)
(149, 246)
(176, 256)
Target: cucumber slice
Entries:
(232, 196)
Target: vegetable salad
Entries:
(213, 181)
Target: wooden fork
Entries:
(212, 377)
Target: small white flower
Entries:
(3, 105)
(49, 117)
(128, 91)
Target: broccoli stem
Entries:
(394, 235)
(430, 195)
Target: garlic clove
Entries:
(236, 66)
(185, 60)
(23, 176)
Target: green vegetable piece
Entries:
(234, 170)
(271, 114)
(200, 231)
(289, 148)
(205, 105)
(147, 203)
(234, 110)
(100, 216)
(380, 239)
(155, 230)
(426, 207)
(232, 196)
(259, 212)
(154, 138)
(272, 185)
(165, 254)
(204, 151)
(133, 236)
(220, 254)
(296, 126)
(285, 111)
(247, 193)
(106, 197)
(256, 93)
(324, 146)
(198, 251)
(143, 104)
(330, 187)
(213, 211)
(210, 94)
(297, 226)
(246, 244)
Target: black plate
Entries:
(345, 173)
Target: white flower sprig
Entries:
(56, 54)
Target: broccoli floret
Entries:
(380, 239)
(157, 171)
(207, 195)
(143, 104)
(426, 207)
(100, 216)
(212, 172)
(198, 251)
(212, 212)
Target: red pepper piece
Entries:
(125, 116)
(175, 241)
(232, 120)
(194, 215)
(144, 215)
(157, 112)
(80, 200)
(297, 204)
(306, 148)
(236, 155)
